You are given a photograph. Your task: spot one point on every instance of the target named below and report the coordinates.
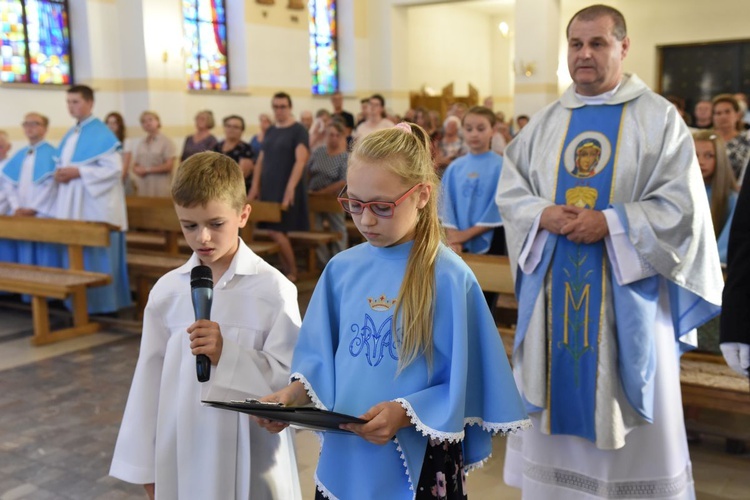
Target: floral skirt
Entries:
(443, 476)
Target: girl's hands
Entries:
(384, 419)
(292, 395)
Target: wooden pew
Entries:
(310, 240)
(493, 274)
(156, 244)
(43, 283)
(705, 379)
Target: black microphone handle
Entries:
(202, 298)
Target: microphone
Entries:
(202, 293)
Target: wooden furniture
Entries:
(311, 240)
(441, 103)
(156, 244)
(44, 283)
(705, 379)
(493, 274)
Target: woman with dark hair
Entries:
(201, 140)
(279, 177)
(234, 147)
(116, 124)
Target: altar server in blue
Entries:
(88, 174)
(468, 209)
(398, 333)
(8, 251)
(616, 264)
(31, 189)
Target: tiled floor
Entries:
(60, 408)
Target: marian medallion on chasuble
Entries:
(579, 272)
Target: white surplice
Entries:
(167, 436)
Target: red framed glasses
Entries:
(382, 209)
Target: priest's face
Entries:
(595, 55)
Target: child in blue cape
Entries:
(398, 333)
(468, 211)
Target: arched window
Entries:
(205, 25)
(323, 47)
(35, 42)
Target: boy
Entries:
(168, 441)
(469, 212)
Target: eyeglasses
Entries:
(280, 106)
(31, 124)
(382, 209)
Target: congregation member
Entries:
(88, 174)
(376, 117)
(116, 123)
(154, 159)
(317, 131)
(279, 177)
(337, 101)
(703, 115)
(30, 188)
(727, 119)
(306, 119)
(256, 142)
(615, 262)
(721, 188)
(451, 145)
(168, 441)
(397, 332)
(234, 147)
(327, 172)
(201, 139)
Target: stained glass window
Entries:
(205, 44)
(35, 42)
(323, 47)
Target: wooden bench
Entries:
(708, 383)
(154, 226)
(43, 283)
(311, 240)
(157, 245)
(493, 274)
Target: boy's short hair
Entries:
(86, 92)
(481, 111)
(209, 176)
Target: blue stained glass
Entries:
(323, 46)
(206, 44)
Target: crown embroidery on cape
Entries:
(381, 303)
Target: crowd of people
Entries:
(614, 215)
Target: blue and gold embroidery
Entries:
(375, 340)
(578, 273)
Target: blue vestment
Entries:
(39, 254)
(97, 195)
(468, 197)
(347, 358)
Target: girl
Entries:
(469, 212)
(398, 332)
(721, 187)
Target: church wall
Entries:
(450, 43)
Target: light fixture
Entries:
(504, 29)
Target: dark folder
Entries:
(306, 417)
